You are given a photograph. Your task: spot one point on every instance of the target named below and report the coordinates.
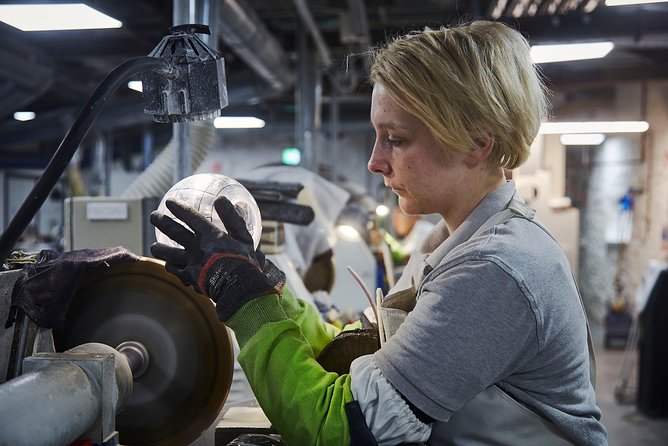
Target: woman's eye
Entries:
(393, 142)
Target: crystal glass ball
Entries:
(201, 190)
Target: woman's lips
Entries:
(394, 189)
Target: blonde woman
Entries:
(491, 345)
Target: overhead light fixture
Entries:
(238, 122)
(24, 115)
(631, 2)
(135, 85)
(573, 51)
(55, 17)
(582, 139)
(557, 128)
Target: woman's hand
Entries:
(223, 266)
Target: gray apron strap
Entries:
(517, 208)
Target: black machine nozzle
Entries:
(198, 91)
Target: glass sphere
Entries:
(201, 190)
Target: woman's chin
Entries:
(407, 206)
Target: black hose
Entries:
(71, 142)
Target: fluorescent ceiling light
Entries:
(135, 85)
(24, 115)
(556, 128)
(630, 2)
(238, 122)
(43, 17)
(582, 139)
(573, 51)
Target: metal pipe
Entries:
(146, 147)
(305, 100)
(308, 20)
(182, 166)
(327, 63)
(52, 406)
(112, 401)
(247, 36)
(65, 396)
(137, 356)
(334, 124)
(184, 12)
(195, 11)
(101, 163)
(70, 143)
(360, 22)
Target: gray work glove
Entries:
(223, 266)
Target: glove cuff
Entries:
(290, 304)
(253, 315)
(230, 283)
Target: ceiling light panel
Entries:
(582, 139)
(557, 128)
(238, 122)
(631, 2)
(52, 17)
(568, 52)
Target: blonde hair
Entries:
(465, 83)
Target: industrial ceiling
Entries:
(54, 72)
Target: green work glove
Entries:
(224, 266)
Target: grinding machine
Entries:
(142, 360)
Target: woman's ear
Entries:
(482, 149)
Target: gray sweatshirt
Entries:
(500, 308)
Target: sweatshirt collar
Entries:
(494, 202)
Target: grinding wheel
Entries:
(191, 362)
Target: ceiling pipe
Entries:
(361, 44)
(243, 31)
(351, 77)
(307, 19)
(360, 22)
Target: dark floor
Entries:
(626, 426)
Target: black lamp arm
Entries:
(71, 142)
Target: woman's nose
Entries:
(376, 162)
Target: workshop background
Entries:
(300, 67)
